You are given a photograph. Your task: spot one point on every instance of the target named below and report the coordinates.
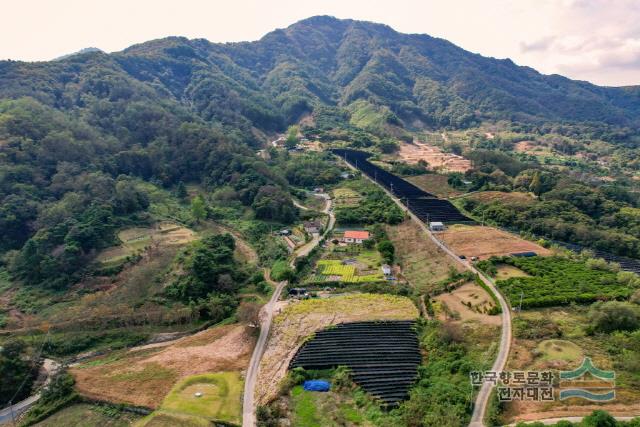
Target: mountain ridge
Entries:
(321, 60)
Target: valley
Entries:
(258, 233)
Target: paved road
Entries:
(248, 404)
(7, 415)
(482, 399)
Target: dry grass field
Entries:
(457, 305)
(555, 339)
(137, 239)
(485, 242)
(504, 197)
(435, 184)
(144, 375)
(423, 263)
(299, 320)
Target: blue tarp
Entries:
(317, 385)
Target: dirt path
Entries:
(248, 405)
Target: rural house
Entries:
(312, 226)
(354, 236)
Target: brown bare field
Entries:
(143, 376)
(485, 242)
(423, 263)
(300, 319)
(478, 298)
(434, 184)
(434, 156)
(504, 197)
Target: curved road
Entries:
(248, 404)
(7, 415)
(500, 362)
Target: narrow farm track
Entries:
(248, 403)
(499, 364)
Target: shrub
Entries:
(281, 271)
(614, 316)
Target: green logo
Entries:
(588, 382)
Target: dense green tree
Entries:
(198, 208)
(17, 371)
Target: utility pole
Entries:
(521, 296)
(392, 188)
(375, 175)
(13, 417)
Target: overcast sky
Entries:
(595, 40)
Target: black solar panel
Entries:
(424, 205)
(383, 356)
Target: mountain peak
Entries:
(80, 52)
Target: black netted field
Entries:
(383, 356)
(424, 205)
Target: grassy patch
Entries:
(166, 419)
(560, 350)
(81, 415)
(504, 272)
(304, 408)
(220, 399)
(344, 197)
(435, 184)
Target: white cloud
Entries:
(589, 39)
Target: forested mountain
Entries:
(321, 60)
(79, 134)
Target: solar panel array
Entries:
(627, 264)
(424, 205)
(383, 357)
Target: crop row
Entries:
(559, 281)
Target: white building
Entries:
(436, 226)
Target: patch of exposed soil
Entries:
(485, 242)
(146, 374)
(434, 157)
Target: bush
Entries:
(281, 271)
(387, 250)
(57, 395)
(614, 316)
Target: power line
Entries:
(24, 381)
